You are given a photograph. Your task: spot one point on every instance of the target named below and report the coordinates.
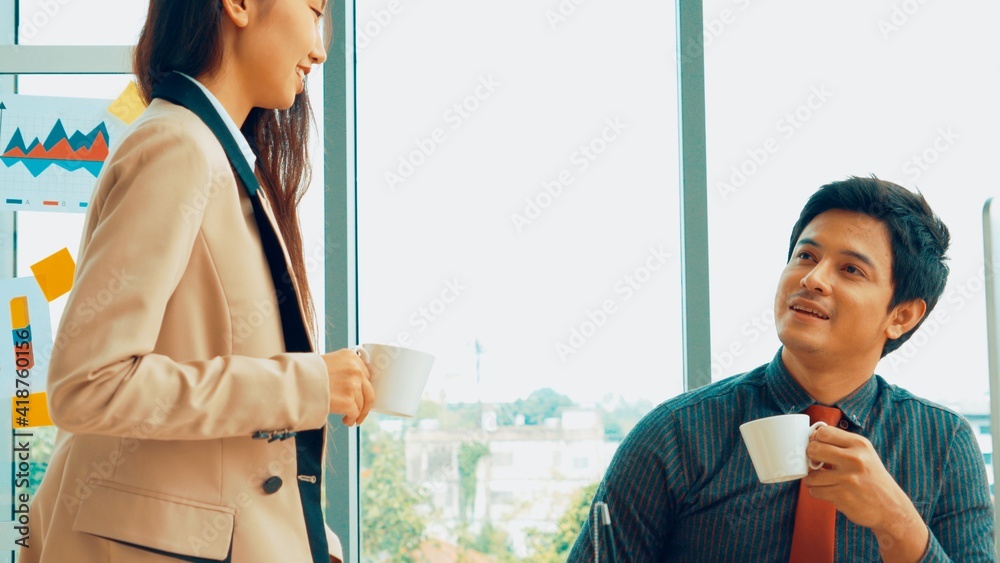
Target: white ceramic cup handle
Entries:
(812, 465)
(360, 350)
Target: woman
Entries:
(190, 405)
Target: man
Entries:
(902, 478)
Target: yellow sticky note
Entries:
(55, 274)
(19, 313)
(31, 412)
(129, 105)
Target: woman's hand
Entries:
(351, 392)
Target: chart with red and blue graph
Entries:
(52, 150)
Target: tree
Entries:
(623, 417)
(469, 454)
(42, 444)
(541, 404)
(490, 541)
(393, 526)
(554, 547)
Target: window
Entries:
(503, 497)
(518, 218)
(502, 459)
(873, 90)
(80, 22)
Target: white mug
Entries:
(398, 376)
(777, 446)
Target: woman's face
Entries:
(278, 46)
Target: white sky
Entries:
(890, 94)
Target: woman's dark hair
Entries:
(185, 36)
(919, 239)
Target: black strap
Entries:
(182, 91)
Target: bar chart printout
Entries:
(51, 151)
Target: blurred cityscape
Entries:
(508, 482)
(503, 482)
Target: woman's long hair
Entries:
(185, 36)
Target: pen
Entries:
(602, 527)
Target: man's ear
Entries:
(237, 12)
(904, 317)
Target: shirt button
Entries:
(843, 424)
(272, 485)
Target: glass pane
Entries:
(874, 90)
(80, 22)
(517, 217)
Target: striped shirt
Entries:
(681, 486)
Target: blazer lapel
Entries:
(284, 251)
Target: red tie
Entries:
(815, 520)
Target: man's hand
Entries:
(854, 479)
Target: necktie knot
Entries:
(829, 415)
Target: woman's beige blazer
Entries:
(169, 357)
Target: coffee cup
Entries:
(777, 446)
(398, 376)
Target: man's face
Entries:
(833, 296)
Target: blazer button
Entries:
(844, 424)
(272, 485)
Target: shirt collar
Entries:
(233, 129)
(790, 397)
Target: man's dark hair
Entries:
(919, 238)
